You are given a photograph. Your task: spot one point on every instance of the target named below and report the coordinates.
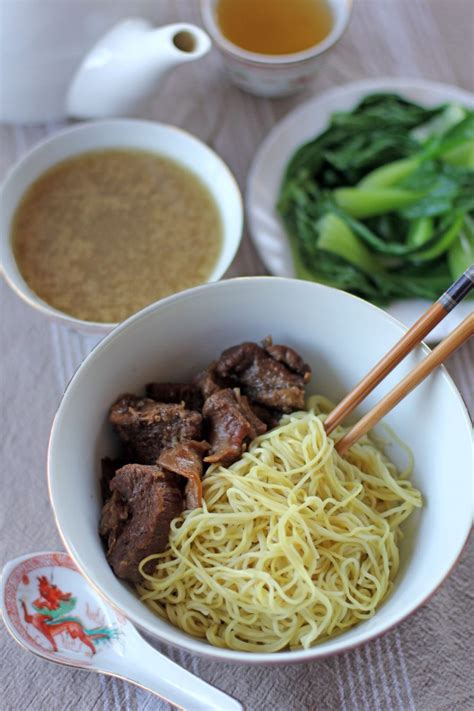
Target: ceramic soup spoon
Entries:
(51, 611)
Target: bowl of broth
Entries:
(105, 218)
(271, 47)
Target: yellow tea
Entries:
(274, 26)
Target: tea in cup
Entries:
(272, 47)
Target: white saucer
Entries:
(303, 124)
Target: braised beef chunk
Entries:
(147, 427)
(109, 467)
(112, 520)
(257, 426)
(232, 425)
(289, 357)
(176, 392)
(264, 379)
(268, 415)
(209, 382)
(185, 459)
(135, 521)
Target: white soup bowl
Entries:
(164, 140)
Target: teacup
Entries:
(273, 75)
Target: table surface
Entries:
(424, 662)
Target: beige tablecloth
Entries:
(425, 663)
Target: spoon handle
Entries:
(149, 669)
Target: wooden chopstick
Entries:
(464, 331)
(451, 297)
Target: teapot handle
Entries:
(123, 69)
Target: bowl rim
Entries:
(13, 275)
(196, 645)
(341, 18)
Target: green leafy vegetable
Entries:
(382, 202)
(390, 174)
(367, 202)
(461, 252)
(335, 236)
(420, 231)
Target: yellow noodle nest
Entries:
(293, 544)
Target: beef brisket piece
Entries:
(209, 382)
(135, 521)
(273, 376)
(109, 468)
(147, 427)
(185, 459)
(268, 415)
(289, 357)
(112, 519)
(176, 392)
(232, 425)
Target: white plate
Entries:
(303, 124)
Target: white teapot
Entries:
(56, 61)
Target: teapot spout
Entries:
(125, 67)
(181, 42)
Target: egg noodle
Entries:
(293, 543)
